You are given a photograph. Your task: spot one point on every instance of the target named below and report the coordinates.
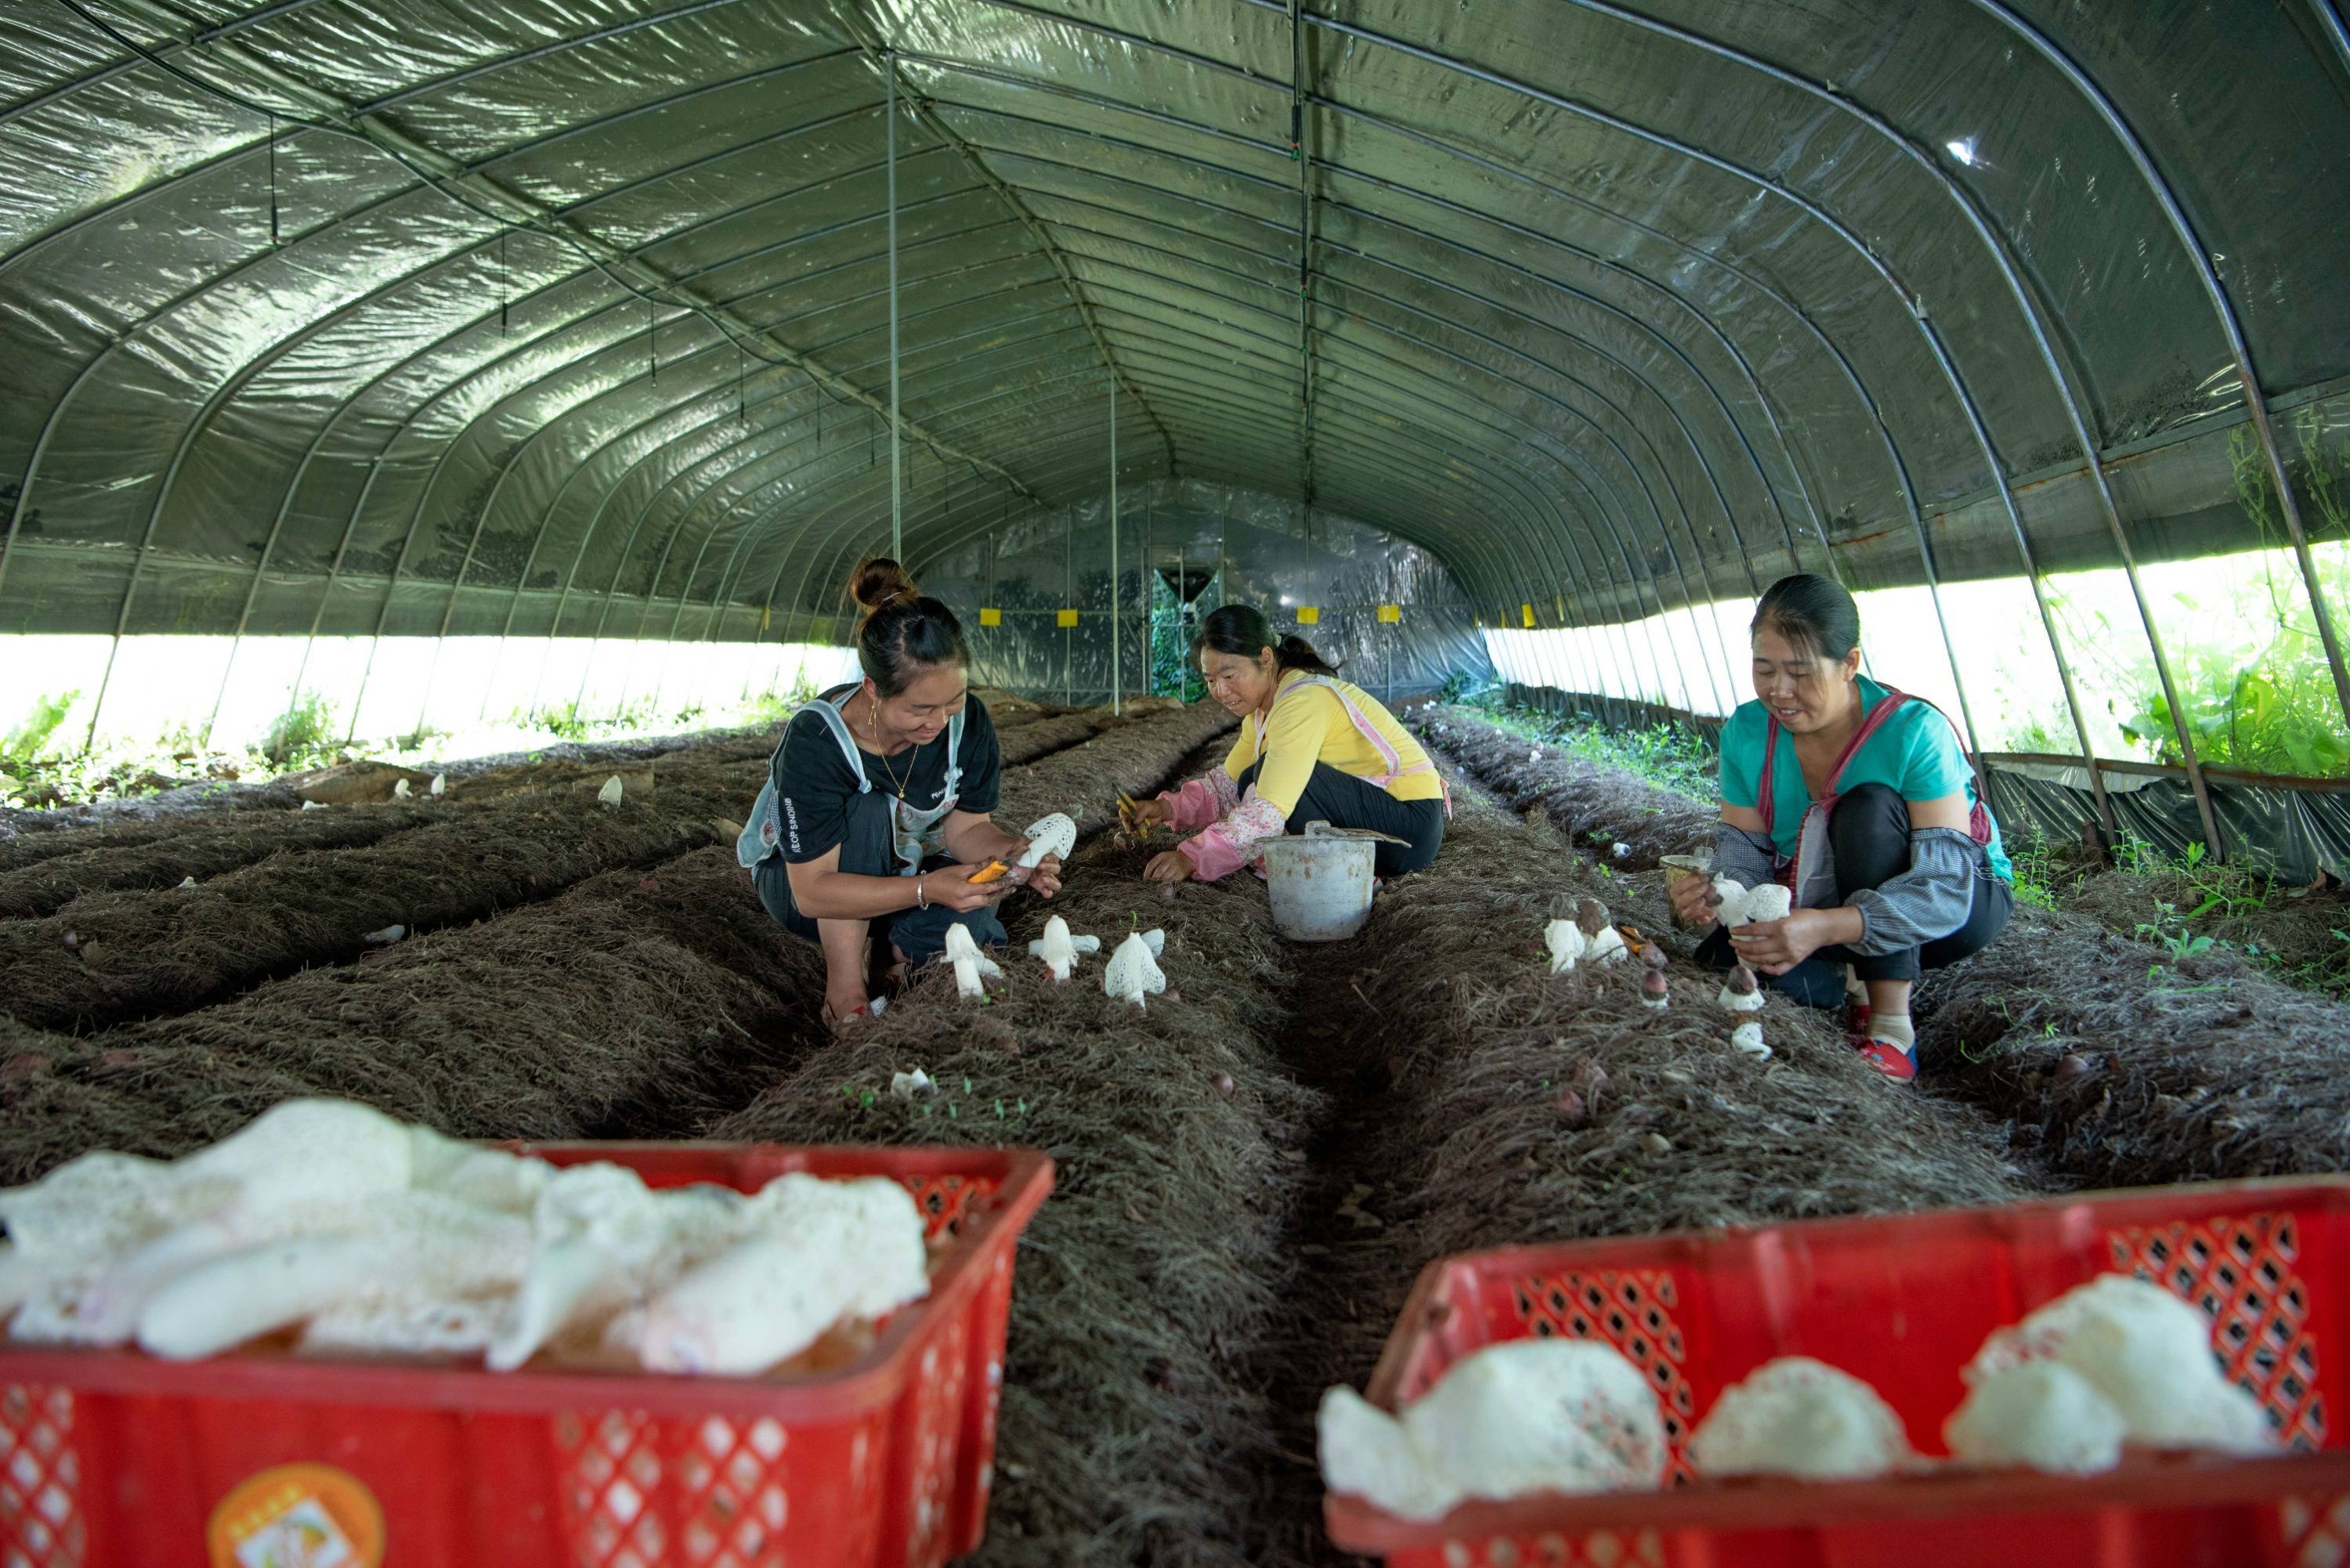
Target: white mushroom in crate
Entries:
(1133, 970)
(811, 1252)
(91, 1243)
(1055, 835)
(1060, 950)
(1798, 1416)
(1510, 1420)
(600, 1240)
(970, 964)
(2138, 1351)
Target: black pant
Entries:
(1869, 831)
(868, 850)
(1342, 800)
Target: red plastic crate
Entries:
(110, 1458)
(1904, 1302)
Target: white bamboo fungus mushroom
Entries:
(1735, 904)
(1566, 943)
(2144, 1351)
(1052, 835)
(1741, 992)
(1511, 1419)
(2039, 1414)
(1798, 1416)
(1747, 1039)
(814, 1251)
(1133, 970)
(1059, 950)
(612, 791)
(970, 964)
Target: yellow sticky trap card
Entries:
(1390, 614)
(1527, 611)
(1068, 618)
(1309, 615)
(991, 618)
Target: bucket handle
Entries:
(1324, 830)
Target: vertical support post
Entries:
(1117, 675)
(1069, 598)
(897, 480)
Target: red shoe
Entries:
(1856, 1014)
(1889, 1059)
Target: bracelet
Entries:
(922, 900)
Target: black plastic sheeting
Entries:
(415, 316)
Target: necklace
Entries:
(873, 724)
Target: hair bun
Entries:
(880, 581)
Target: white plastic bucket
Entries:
(1319, 883)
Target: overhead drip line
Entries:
(273, 179)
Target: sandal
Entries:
(1887, 1058)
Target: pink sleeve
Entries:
(1218, 851)
(1202, 800)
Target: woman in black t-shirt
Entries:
(874, 817)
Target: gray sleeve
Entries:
(1746, 858)
(1929, 900)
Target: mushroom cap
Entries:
(1653, 982)
(1769, 902)
(610, 794)
(1742, 981)
(960, 944)
(1591, 915)
(1052, 835)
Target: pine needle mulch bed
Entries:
(134, 955)
(1147, 1281)
(1596, 805)
(2184, 1070)
(2300, 936)
(637, 1004)
(203, 848)
(1138, 757)
(1467, 1145)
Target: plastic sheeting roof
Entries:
(569, 300)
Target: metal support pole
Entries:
(897, 483)
(1117, 675)
(1069, 599)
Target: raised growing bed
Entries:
(1131, 1432)
(137, 954)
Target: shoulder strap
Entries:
(1873, 721)
(830, 713)
(954, 752)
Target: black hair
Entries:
(1812, 612)
(901, 632)
(1241, 630)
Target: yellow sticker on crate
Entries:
(1528, 612)
(991, 617)
(1390, 614)
(298, 1513)
(1309, 615)
(1068, 618)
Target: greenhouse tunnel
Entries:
(429, 361)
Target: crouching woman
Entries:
(1860, 799)
(1312, 748)
(873, 823)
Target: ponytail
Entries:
(902, 632)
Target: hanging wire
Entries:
(652, 344)
(273, 179)
(742, 385)
(506, 280)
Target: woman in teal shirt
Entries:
(1904, 872)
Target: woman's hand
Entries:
(1774, 946)
(1172, 865)
(1045, 879)
(951, 888)
(1152, 812)
(1693, 902)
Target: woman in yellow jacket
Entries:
(1311, 749)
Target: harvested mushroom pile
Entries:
(2115, 1364)
(353, 1234)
